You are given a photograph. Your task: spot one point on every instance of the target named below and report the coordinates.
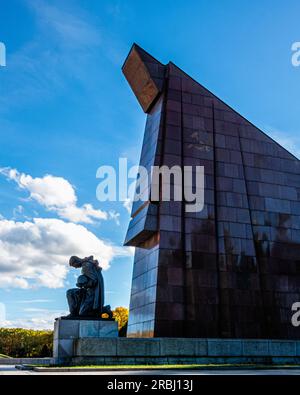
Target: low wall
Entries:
(182, 350)
(29, 361)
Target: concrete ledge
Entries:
(255, 348)
(279, 348)
(168, 347)
(182, 360)
(224, 347)
(28, 361)
(139, 347)
(181, 347)
(95, 347)
(181, 350)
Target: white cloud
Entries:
(42, 319)
(32, 301)
(48, 190)
(36, 253)
(115, 216)
(85, 214)
(55, 194)
(18, 212)
(127, 205)
(70, 30)
(7, 281)
(289, 143)
(34, 310)
(288, 140)
(124, 251)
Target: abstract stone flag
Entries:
(231, 270)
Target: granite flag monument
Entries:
(233, 269)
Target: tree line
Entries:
(30, 343)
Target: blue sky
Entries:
(66, 109)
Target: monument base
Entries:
(68, 332)
(110, 351)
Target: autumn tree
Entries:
(120, 314)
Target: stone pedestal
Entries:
(122, 351)
(68, 332)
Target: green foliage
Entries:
(25, 343)
(29, 343)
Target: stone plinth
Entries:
(68, 332)
(180, 350)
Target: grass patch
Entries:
(4, 356)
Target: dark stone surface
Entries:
(232, 270)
